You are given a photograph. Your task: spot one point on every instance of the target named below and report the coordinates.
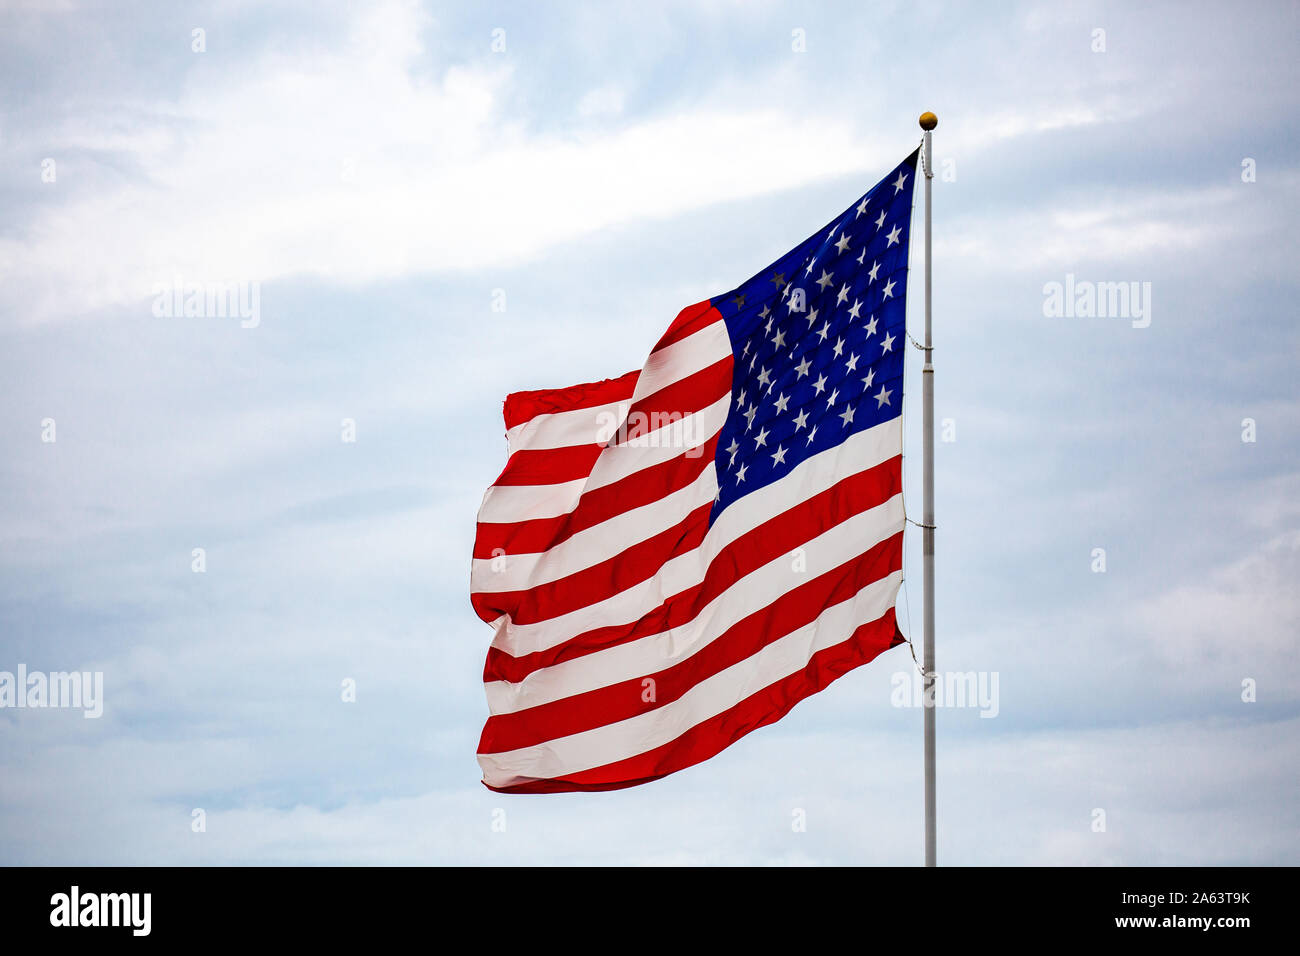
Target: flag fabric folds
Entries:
(676, 557)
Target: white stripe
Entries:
(810, 477)
(578, 426)
(651, 654)
(591, 546)
(709, 698)
(509, 503)
(675, 362)
(512, 503)
(669, 365)
(684, 436)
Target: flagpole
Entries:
(928, 122)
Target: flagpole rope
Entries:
(912, 647)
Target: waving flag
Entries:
(676, 557)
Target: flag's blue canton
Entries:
(818, 339)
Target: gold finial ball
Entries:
(929, 121)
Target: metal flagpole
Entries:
(928, 122)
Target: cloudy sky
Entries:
(383, 175)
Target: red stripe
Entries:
(521, 407)
(674, 402)
(642, 559)
(620, 701)
(689, 321)
(571, 592)
(549, 466)
(750, 551)
(714, 735)
(597, 505)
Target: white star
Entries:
(764, 377)
(808, 271)
(802, 368)
(847, 415)
(820, 384)
(881, 221)
(887, 345)
(862, 255)
(831, 398)
(871, 327)
(842, 244)
(893, 237)
(812, 318)
(853, 363)
(733, 447)
(824, 281)
(857, 305)
(768, 327)
(875, 267)
(843, 296)
(765, 313)
(779, 457)
(882, 397)
(749, 417)
(889, 289)
(740, 475)
(812, 434)
(779, 341)
(871, 374)
(800, 420)
(898, 186)
(826, 327)
(741, 401)
(862, 207)
(781, 404)
(839, 347)
(761, 438)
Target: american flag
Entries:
(676, 557)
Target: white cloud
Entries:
(1023, 799)
(350, 165)
(1237, 622)
(1108, 230)
(603, 101)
